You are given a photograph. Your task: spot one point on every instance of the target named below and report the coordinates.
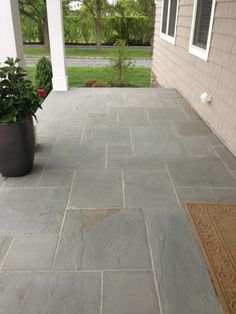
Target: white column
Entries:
(56, 35)
(10, 31)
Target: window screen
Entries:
(164, 17)
(172, 18)
(169, 17)
(202, 23)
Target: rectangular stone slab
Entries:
(129, 292)
(32, 292)
(103, 239)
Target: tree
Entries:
(148, 8)
(98, 25)
(37, 12)
(95, 9)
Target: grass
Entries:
(82, 52)
(137, 77)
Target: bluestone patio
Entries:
(99, 226)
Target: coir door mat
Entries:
(215, 229)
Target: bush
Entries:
(120, 63)
(89, 83)
(94, 83)
(100, 84)
(43, 75)
(19, 99)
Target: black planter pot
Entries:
(17, 148)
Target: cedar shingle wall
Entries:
(175, 67)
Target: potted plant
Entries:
(19, 101)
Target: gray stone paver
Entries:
(103, 239)
(97, 189)
(5, 243)
(69, 155)
(224, 195)
(54, 293)
(191, 195)
(27, 211)
(184, 283)
(143, 163)
(226, 156)
(149, 190)
(103, 136)
(200, 172)
(30, 253)
(56, 178)
(123, 293)
(102, 210)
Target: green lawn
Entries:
(81, 52)
(137, 77)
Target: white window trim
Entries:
(195, 50)
(166, 37)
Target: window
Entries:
(203, 14)
(168, 24)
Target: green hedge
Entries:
(135, 30)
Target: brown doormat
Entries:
(215, 229)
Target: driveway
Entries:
(91, 62)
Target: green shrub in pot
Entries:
(19, 101)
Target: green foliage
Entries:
(135, 30)
(43, 75)
(91, 52)
(120, 63)
(30, 30)
(18, 98)
(136, 77)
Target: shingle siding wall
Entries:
(175, 67)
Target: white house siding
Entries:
(174, 66)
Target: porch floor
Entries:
(99, 227)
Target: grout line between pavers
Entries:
(76, 270)
(101, 305)
(148, 117)
(3, 184)
(63, 221)
(131, 141)
(205, 187)
(47, 161)
(3, 261)
(172, 183)
(210, 191)
(100, 208)
(117, 119)
(123, 187)
(84, 127)
(153, 267)
(226, 166)
(106, 157)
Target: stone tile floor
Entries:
(98, 227)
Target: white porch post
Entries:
(10, 31)
(56, 35)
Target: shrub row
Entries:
(135, 30)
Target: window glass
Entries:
(164, 17)
(202, 23)
(172, 18)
